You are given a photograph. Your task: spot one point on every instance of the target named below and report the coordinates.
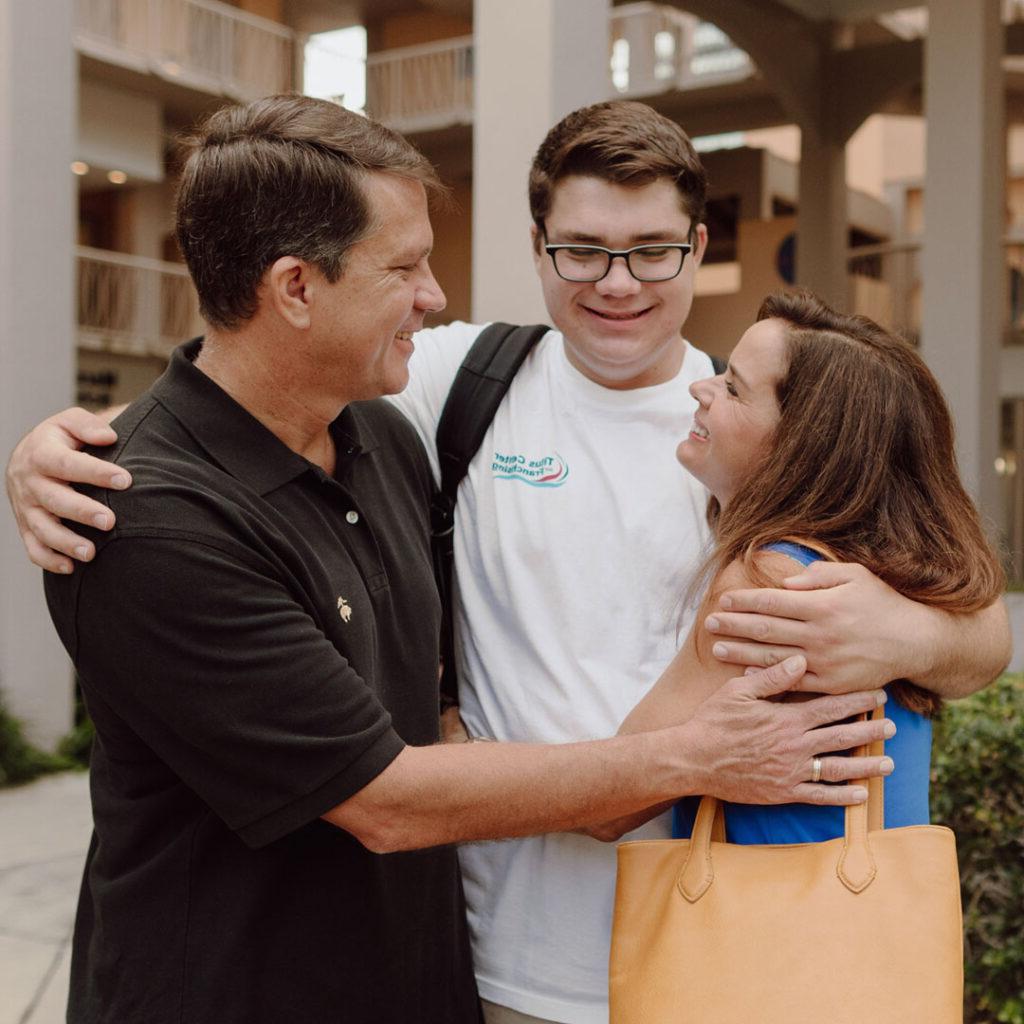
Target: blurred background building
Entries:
(867, 149)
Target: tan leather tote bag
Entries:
(865, 929)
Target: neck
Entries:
(268, 377)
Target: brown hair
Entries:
(281, 176)
(623, 142)
(862, 465)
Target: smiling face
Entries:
(619, 332)
(738, 412)
(366, 319)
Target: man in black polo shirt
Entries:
(257, 638)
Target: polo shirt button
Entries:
(352, 517)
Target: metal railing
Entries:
(134, 305)
(885, 284)
(418, 87)
(653, 48)
(202, 43)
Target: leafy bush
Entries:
(978, 791)
(19, 760)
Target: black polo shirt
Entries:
(256, 641)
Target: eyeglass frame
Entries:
(613, 254)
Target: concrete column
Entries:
(38, 105)
(962, 258)
(822, 219)
(535, 61)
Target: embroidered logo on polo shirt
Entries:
(344, 609)
(544, 471)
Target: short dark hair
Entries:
(281, 176)
(623, 142)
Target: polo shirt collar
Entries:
(235, 439)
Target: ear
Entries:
(701, 234)
(288, 289)
(536, 242)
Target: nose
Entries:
(702, 389)
(429, 296)
(618, 280)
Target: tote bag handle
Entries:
(856, 868)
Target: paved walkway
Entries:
(44, 833)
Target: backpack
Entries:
(479, 387)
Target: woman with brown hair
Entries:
(826, 438)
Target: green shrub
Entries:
(978, 791)
(77, 745)
(19, 760)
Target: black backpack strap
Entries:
(719, 365)
(478, 389)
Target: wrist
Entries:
(928, 632)
(676, 763)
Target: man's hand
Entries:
(42, 466)
(757, 751)
(857, 632)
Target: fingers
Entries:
(86, 427)
(66, 465)
(777, 679)
(820, 575)
(42, 556)
(829, 796)
(762, 601)
(65, 502)
(834, 708)
(47, 530)
(850, 735)
(756, 655)
(843, 769)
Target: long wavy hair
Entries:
(861, 466)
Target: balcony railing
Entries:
(885, 284)
(418, 87)
(134, 305)
(652, 48)
(201, 43)
(655, 48)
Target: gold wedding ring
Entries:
(816, 769)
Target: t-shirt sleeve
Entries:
(210, 661)
(438, 354)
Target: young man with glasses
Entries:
(570, 580)
(577, 534)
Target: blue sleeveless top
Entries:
(906, 790)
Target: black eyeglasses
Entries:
(586, 264)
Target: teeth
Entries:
(619, 316)
(404, 335)
(700, 431)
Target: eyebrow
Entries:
(414, 255)
(739, 376)
(641, 239)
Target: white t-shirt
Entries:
(576, 535)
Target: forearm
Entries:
(463, 792)
(739, 746)
(957, 654)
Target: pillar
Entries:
(962, 258)
(38, 110)
(534, 62)
(822, 219)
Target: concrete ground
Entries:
(44, 833)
